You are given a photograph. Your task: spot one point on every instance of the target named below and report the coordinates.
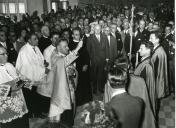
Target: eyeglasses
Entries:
(3, 54)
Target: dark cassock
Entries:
(159, 62)
(98, 52)
(83, 91)
(139, 37)
(43, 43)
(144, 69)
(168, 44)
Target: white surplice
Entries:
(14, 106)
(47, 54)
(45, 89)
(30, 63)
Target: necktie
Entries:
(34, 49)
(98, 37)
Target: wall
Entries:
(33, 5)
(148, 3)
(72, 3)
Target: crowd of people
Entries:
(64, 60)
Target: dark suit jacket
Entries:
(126, 42)
(98, 51)
(12, 57)
(119, 41)
(112, 49)
(44, 43)
(128, 109)
(165, 43)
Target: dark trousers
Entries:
(30, 99)
(67, 117)
(98, 77)
(36, 103)
(22, 122)
(83, 90)
(43, 104)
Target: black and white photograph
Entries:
(87, 63)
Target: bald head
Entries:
(97, 29)
(107, 31)
(45, 31)
(142, 24)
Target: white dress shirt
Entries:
(3, 44)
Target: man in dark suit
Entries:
(116, 34)
(9, 46)
(44, 41)
(125, 34)
(123, 107)
(140, 35)
(168, 44)
(83, 91)
(112, 45)
(12, 47)
(98, 50)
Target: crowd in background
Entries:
(79, 24)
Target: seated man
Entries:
(63, 76)
(124, 107)
(12, 104)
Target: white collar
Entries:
(87, 35)
(45, 36)
(168, 34)
(75, 40)
(2, 64)
(155, 46)
(118, 91)
(61, 54)
(113, 34)
(31, 45)
(144, 58)
(2, 42)
(97, 35)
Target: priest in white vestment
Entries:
(30, 64)
(30, 61)
(63, 82)
(13, 108)
(44, 89)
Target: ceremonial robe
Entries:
(63, 85)
(159, 62)
(145, 70)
